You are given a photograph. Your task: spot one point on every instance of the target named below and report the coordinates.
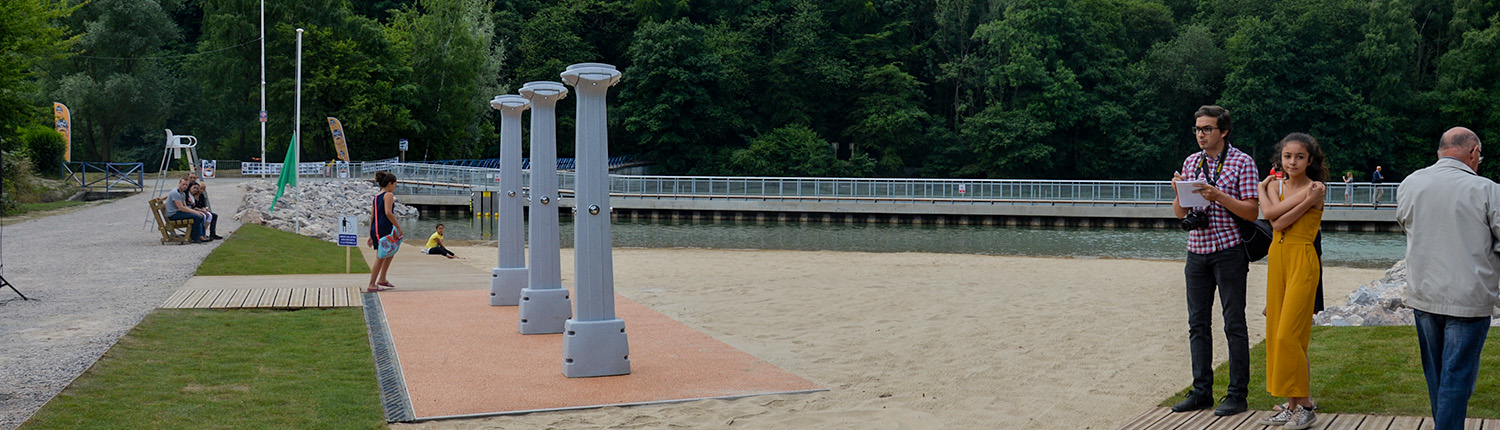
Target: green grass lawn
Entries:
(1367, 370)
(260, 250)
(229, 369)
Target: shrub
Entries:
(15, 173)
(44, 147)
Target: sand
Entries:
(919, 341)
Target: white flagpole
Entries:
(262, 88)
(297, 143)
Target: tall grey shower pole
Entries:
(545, 304)
(595, 343)
(509, 276)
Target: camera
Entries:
(1194, 220)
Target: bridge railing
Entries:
(424, 178)
(951, 191)
(110, 176)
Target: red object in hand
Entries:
(1275, 173)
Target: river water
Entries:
(1346, 249)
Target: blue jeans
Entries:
(197, 222)
(1225, 272)
(1450, 360)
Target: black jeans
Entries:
(1225, 270)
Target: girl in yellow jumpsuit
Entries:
(1294, 206)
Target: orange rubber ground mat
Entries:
(461, 357)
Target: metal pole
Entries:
(595, 344)
(510, 274)
(297, 143)
(545, 305)
(262, 88)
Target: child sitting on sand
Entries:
(435, 244)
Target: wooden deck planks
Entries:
(1140, 422)
(281, 298)
(176, 299)
(1164, 419)
(1172, 421)
(1232, 422)
(1199, 419)
(1405, 423)
(207, 299)
(1346, 422)
(1376, 422)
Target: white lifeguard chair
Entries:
(178, 146)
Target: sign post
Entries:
(404, 144)
(348, 236)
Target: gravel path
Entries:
(91, 275)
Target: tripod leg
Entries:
(5, 283)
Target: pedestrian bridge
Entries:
(958, 201)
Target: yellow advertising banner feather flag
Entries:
(64, 121)
(339, 144)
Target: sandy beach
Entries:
(918, 341)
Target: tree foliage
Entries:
(1069, 89)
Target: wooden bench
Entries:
(171, 230)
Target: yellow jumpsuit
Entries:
(1291, 288)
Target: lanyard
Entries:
(1218, 170)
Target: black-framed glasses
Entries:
(1204, 130)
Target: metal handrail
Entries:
(111, 174)
(868, 190)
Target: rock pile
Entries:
(1382, 302)
(321, 204)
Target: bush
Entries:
(44, 147)
(796, 150)
(16, 177)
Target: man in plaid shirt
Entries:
(1217, 259)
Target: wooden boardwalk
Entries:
(270, 298)
(1164, 419)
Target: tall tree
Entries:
(120, 80)
(676, 104)
(449, 46)
(30, 35)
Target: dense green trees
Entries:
(952, 88)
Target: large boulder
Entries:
(1382, 302)
(317, 205)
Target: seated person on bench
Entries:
(435, 244)
(198, 194)
(177, 208)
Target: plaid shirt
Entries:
(1239, 181)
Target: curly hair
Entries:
(1317, 163)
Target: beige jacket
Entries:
(1452, 220)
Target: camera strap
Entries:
(1218, 170)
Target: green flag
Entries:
(288, 172)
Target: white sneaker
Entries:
(1302, 419)
(1280, 418)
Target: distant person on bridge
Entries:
(1451, 215)
(385, 231)
(1348, 188)
(435, 244)
(178, 208)
(1376, 178)
(1217, 258)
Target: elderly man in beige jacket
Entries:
(1452, 220)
